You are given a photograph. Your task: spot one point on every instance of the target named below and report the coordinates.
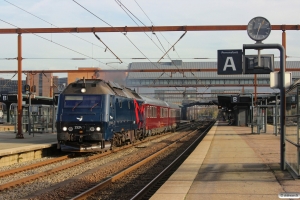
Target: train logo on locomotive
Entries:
(79, 118)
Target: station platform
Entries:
(13, 150)
(231, 163)
(9, 144)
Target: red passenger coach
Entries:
(159, 116)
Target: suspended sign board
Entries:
(230, 62)
(275, 80)
(235, 99)
(253, 66)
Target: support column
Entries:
(284, 43)
(255, 89)
(19, 133)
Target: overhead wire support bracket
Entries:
(172, 46)
(107, 47)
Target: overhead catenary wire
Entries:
(153, 25)
(121, 4)
(118, 31)
(57, 43)
(166, 52)
(61, 29)
(52, 24)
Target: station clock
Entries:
(259, 28)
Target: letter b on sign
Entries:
(235, 99)
(230, 62)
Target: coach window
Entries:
(161, 113)
(120, 104)
(152, 111)
(147, 111)
(128, 104)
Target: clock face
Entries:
(259, 28)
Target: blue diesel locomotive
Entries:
(93, 114)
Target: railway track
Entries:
(151, 184)
(106, 168)
(32, 166)
(57, 169)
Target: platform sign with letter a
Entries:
(230, 61)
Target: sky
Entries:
(57, 51)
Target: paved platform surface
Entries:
(231, 163)
(10, 145)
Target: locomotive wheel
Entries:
(116, 140)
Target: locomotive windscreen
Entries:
(80, 101)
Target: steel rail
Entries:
(51, 171)
(32, 166)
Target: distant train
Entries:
(93, 114)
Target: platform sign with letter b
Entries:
(230, 61)
(235, 99)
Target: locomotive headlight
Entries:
(92, 128)
(64, 128)
(98, 129)
(70, 128)
(83, 90)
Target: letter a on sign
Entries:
(230, 61)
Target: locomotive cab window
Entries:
(78, 101)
